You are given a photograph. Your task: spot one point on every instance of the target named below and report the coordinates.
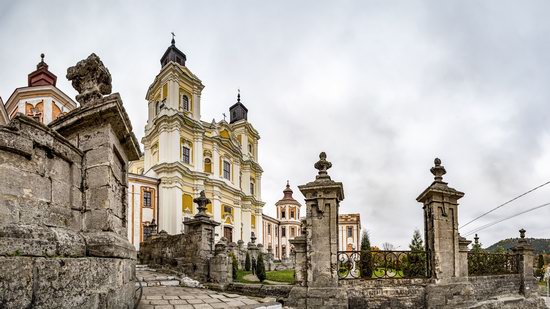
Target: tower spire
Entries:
(238, 95)
(173, 39)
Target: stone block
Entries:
(16, 282)
(110, 244)
(13, 142)
(98, 176)
(29, 240)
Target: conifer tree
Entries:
(234, 266)
(415, 262)
(366, 256)
(416, 243)
(540, 266)
(247, 262)
(260, 268)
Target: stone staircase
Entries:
(150, 277)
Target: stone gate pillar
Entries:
(320, 286)
(528, 285)
(441, 226)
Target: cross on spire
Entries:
(238, 95)
(173, 38)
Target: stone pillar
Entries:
(441, 226)
(528, 286)
(316, 273)
(463, 244)
(201, 228)
(300, 269)
(323, 198)
(220, 265)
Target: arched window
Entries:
(185, 102)
(208, 166)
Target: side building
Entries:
(186, 155)
(278, 231)
(40, 99)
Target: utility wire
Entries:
(510, 217)
(506, 203)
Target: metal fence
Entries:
(382, 265)
(488, 263)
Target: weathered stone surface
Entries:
(90, 78)
(62, 239)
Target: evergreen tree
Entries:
(366, 256)
(540, 266)
(414, 265)
(234, 266)
(416, 243)
(247, 262)
(260, 268)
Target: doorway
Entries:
(228, 233)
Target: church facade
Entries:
(184, 155)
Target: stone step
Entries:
(159, 283)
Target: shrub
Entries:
(247, 262)
(234, 266)
(260, 268)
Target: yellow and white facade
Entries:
(188, 155)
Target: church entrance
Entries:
(228, 233)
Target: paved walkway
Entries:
(162, 291)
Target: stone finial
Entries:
(220, 246)
(438, 170)
(201, 202)
(522, 233)
(253, 238)
(323, 165)
(90, 78)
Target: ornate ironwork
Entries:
(489, 263)
(382, 265)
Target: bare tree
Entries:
(388, 247)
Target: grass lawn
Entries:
(286, 275)
(277, 276)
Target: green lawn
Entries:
(277, 276)
(286, 275)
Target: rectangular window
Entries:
(147, 199)
(252, 188)
(292, 232)
(283, 231)
(292, 213)
(227, 209)
(283, 214)
(350, 231)
(185, 154)
(269, 229)
(226, 170)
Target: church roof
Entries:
(41, 76)
(287, 197)
(172, 53)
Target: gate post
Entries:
(441, 226)
(524, 250)
(320, 286)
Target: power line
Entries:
(510, 217)
(506, 203)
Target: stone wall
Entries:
(385, 293)
(53, 253)
(486, 287)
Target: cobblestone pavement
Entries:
(175, 297)
(165, 291)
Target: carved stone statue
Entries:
(90, 78)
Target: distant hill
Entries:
(539, 245)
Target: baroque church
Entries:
(184, 155)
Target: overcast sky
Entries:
(383, 87)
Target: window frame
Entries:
(185, 103)
(184, 149)
(226, 173)
(283, 231)
(149, 193)
(350, 231)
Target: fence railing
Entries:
(488, 263)
(382, 265)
